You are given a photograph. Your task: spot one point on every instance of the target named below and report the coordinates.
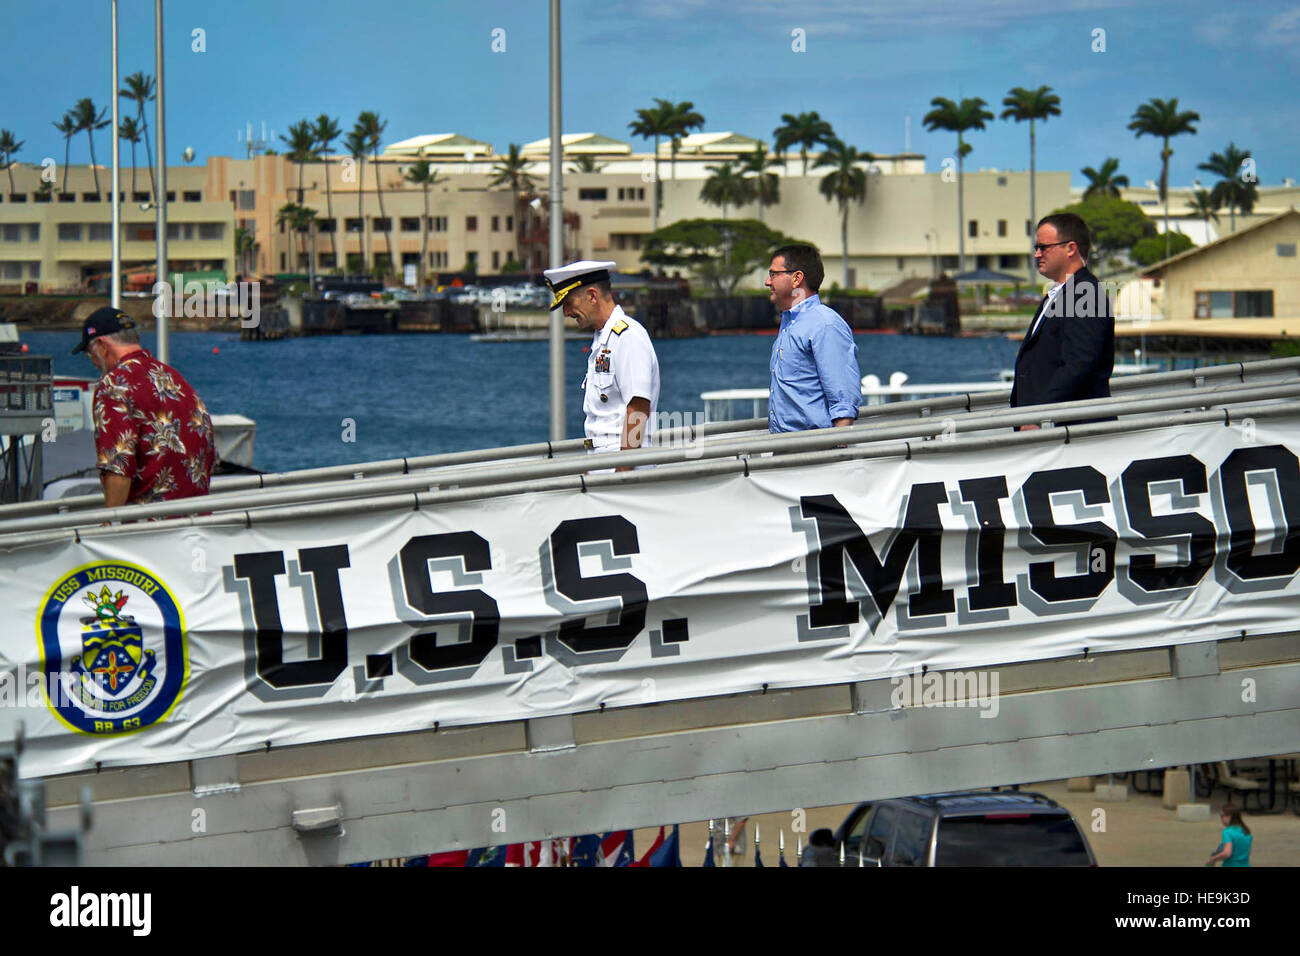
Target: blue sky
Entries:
(427, 66)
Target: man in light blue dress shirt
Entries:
(815, 377)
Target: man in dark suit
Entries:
(1069, 350)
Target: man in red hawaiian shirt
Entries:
(153, 435)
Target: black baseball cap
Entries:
(103, 321)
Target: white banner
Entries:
(172, 643)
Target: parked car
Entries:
(972, 828)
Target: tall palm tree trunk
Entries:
(424, 240)
(654, 202)
(94, 167)
(514, 206)
(148, 151)
(361, 222)
(1164, 188)
(67, 145)
(329, 211)
(133, 169)
(961, 211)
(379, 193)
(1033, 212)
(844, 242)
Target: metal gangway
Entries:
(1175, 697)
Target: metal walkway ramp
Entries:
(449, 652)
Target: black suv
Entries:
(972, 828)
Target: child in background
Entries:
(1234, 850)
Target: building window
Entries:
(410, 258)
(282, 262)
(69, 232)
(139, 197)
(947, 262)
(410, 224)
(33, 270)
(181, 230)
(595, 193)
(1009, 262)
(1029, 228)
(171, 195)
(246, 199)
(41, 197)
(900, 263)
(352, 225)
(67, 197)
(1002, 228)
(33, 232)
(13, 270)
(1241, 304)
(496, 259)
(974, 228)
(640, 193)
(323, 225)
(10, 232)
(86, 197)
(212, 230)
(140, 233)
(1002, 180)
(192, 195)
(99, 231)
(326, 260)
(18, 197)
(496, 223)
(1286, 250)
(471, 223)
(510, 227)
(471, 260)
(382, 224)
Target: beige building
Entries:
(61, 241)
(1248, 281)
(907, 227)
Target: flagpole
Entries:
(557, 229)
(160, 200)
(116, 268)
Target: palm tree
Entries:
(765, 186)
(424, 176)
(1104, 182)
(9, 144)
(806, 129)
(726, 187)
(68, 127)
(299, 219)
(326, 130)
(1206, 206)
(682, 118)
(1032, 105)
(372, 127)
(512, 170)
(846, 182)
(129, 130)
(356, 143)
(87, 119)
(957, 118)
(1231, 190)
(586, 164)
(651, 123)
(243, 249)
(1161, 118)
(140, 89)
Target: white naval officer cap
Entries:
(565, 279)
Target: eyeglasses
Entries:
(1044, 246)
(773, 273)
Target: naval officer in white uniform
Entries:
(621, 388)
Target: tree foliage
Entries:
(719, 251)
(1151, 249)
(1115, 224)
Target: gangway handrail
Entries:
(795, 449)
(963, 403)
(969, 401)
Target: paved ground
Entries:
(1137, 832)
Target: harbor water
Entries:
(409, 395)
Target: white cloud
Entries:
(1283, 30)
